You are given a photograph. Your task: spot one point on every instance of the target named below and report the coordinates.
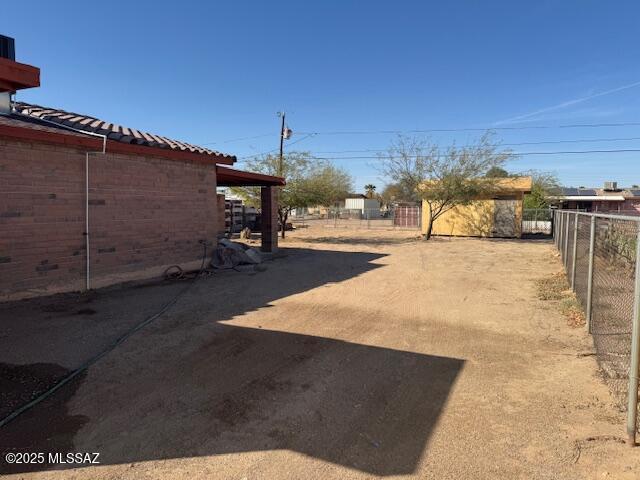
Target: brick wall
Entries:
(146, 213)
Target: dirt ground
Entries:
(356, 354)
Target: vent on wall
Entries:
(7, 48)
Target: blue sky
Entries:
(210, 72)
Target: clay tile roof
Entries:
(111, 130)
(27, 123)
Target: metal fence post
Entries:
(574, 253)
(592, 249)
(632, 405)
(558, 227)
(566, 243)
(563, 221)
(564, 216)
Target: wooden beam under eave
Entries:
(17, 76)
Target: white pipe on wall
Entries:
(86, 209)
(86, 187)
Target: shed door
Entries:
(504, 218)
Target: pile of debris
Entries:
(230, 254)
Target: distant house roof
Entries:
(596, 194)
(356, 195)
(113, 131)
(570, 191)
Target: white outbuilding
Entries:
(368, 207)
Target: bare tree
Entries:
(444, 178)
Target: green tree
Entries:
(544, 185)
(310, 182)
(370, 190)
(444, 178)
(395, 192)
(497, 172)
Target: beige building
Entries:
(498, 216)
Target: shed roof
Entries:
(515, 184)
(506, 185)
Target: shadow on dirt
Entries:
(190, 386)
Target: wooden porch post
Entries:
(269, 219)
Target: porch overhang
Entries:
(230, 177)
(590, 198)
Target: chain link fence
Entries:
(400, 218)
(601, 258)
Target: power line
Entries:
(238, 139)
(483, 129)
(514, 154)
(301, 139)
(275, 149)
(438, 130)
(551, 142)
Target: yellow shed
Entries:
(499, 216)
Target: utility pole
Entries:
(285, 134)
(282, 133)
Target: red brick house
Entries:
(607, 199)
(86, 203)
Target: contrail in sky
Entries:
(568, 103)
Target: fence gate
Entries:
(536, 220)
(407, 217)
